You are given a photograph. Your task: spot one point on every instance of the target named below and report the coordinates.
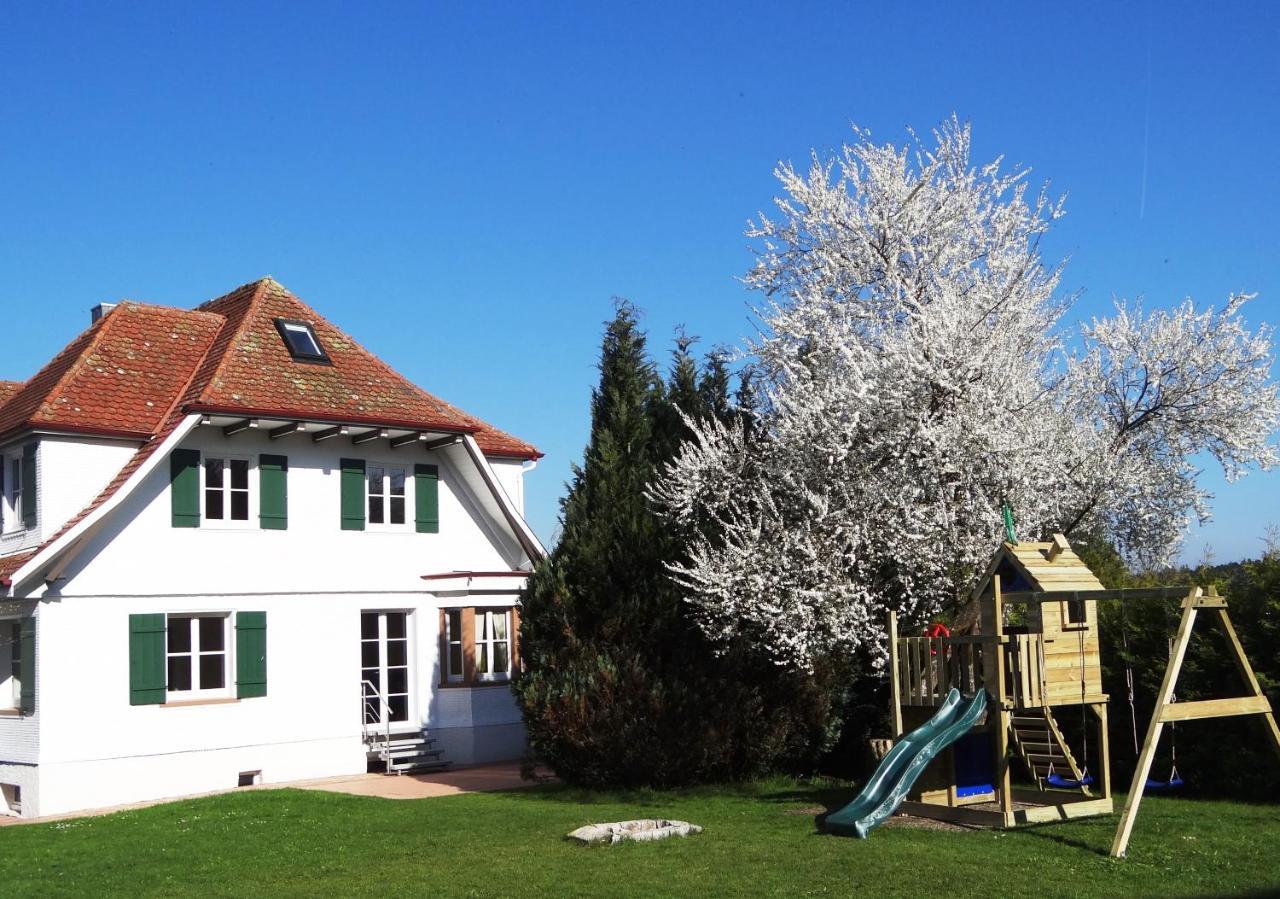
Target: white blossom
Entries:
(914, 378)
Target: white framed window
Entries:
(493, 644)
(197, 657)
(11, 664)
(385, 491)
(454, 671)
(384, 667)
(225, 493)
(11, 493)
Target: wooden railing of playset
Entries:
(928, 667)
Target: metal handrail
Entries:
(382, 712)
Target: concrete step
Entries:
(422, 763)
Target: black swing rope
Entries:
(1175, 780)
(1084, 780)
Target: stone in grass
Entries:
(639, 831)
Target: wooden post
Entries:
(1246, 671)
(895, 688)
(1001, 716)
(1148, 754)
(1104, 748)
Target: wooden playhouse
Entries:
(1039, 663)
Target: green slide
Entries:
(909, 757)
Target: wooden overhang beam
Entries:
(293, 427)
(369, 436)
(335, 431)
(239, 427)
(407, 439)
(441, 443)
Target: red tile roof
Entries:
(140, 369)
(128, 370)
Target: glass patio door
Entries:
(384, 667)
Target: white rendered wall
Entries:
(140, 551)
(510, 474)
(313, 580)
(70, 472)
(97, 750)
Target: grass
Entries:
(759, 841)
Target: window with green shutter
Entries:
(273, 492)
(146, 659)
(251, 654)
(352, 494)
(426, 497)
(27, 666)
(29, 485)
(184, 487)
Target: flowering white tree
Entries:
(912, 378)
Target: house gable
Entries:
(155, 373)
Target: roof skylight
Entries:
(301, 340)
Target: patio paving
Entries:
(480, 779)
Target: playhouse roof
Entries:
(1045, 566)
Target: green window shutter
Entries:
(184, 487)
(273, 492)
(146, 659)
(353, 494)
(426, 498)
(27, 665)
(29, 485)
(251, 654)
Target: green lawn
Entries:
(758, 841)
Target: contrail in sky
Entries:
(1146, 127)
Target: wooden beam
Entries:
(238, 427)
(1000, 714)
(441, 443)
(335, 431)
(1139, 594)
(294, 427)
(406, 439)
(959, 815)
(1104, 747)
(368, 436)
(1156, 725)
(1064, 812)
(1216, 708)
(895, 689)
(1246, 671)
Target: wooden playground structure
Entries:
(1034, 648)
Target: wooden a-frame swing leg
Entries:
(1254, 704)
(1143, 770)
(1246, 671)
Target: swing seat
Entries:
(1164, 786)
(1067, 783)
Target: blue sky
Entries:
(464, 187)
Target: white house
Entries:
(236, 547)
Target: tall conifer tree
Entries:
(620, 685)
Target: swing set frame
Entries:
(1168, 712)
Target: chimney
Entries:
(100, 310)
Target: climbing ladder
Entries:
(1040, 745)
